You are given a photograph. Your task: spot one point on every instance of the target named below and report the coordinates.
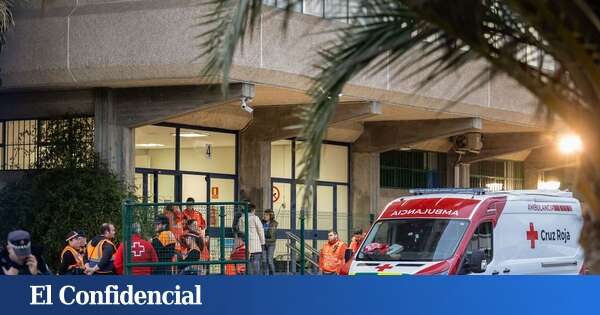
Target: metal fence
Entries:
(188, 238)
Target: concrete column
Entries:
(450, 170)
(462, 175)
(255, 171)
(532, 177)
(114, 143)
(465, 175)
(365, 188)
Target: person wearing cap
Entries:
(194, 245)
(71, 260)
(140, 251)
(17, 258)
(101, 251)
(164, 243)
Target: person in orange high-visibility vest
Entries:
(239, 253)
(189, 213)
(331, 259)
(176, 220)
(101, 252)
(71, 259)
(357, 239)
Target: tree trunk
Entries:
(588, 184)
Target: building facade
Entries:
(132, 67)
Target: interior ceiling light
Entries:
(190, 134)
(149, 145)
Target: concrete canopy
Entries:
(499, 144)
(388, 135)
(281, 122)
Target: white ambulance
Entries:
(459, 232)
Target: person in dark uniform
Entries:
(71, 259)
(101, 252)
(18, 259)
(164, 243)
(194, 246)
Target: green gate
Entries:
(218, 239)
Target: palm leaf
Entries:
(439, 37)
(6, 19)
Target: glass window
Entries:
(333, 165)
(342, 212)
(166, 188)
(284, 3)
(313, 7)
(336, 9)
(282, 204)
(155, 147)
(497, 175)
(281, 159)
(482, 239)
(207, 151)
(299, 156)
(139, 185)
(222, 190)
(193, 186)
(324, 207)
(412, 169)
(20, 144)
(413, 240)
(308, 213)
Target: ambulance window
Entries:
(482, 239)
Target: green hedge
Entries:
(70, 190)
(50, 203)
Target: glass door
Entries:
(323, 214)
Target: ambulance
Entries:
(464, 232)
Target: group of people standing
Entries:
(332, 255)
(262, 240)
(180, 241)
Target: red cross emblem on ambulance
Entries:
(532, 235)
(384, 267)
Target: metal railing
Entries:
(296, 245)
(170, 244)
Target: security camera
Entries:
(245, 104)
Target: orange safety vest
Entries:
(95, 253)
(77, 255)
(356, 243)
(332, 256)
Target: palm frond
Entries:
(6, 19)
(227, 23)
(226, 26)
(439, 37)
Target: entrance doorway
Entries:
(330, 203)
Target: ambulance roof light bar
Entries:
(470, 191)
